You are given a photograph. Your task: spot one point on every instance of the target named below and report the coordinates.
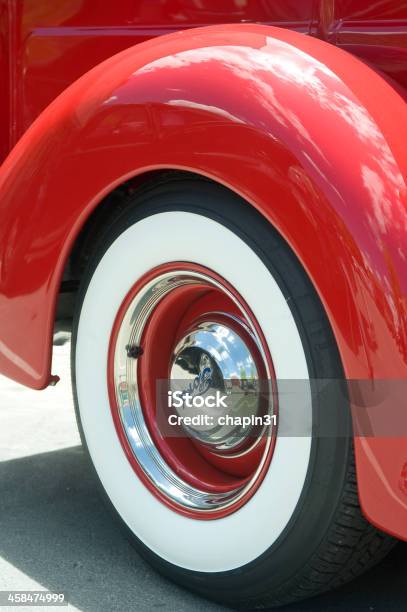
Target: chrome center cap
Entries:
(213, 362)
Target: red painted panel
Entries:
(374, 31)
(360, 10)
(47, 44)
(5, 110)
(57, 41)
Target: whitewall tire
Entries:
(265, 550)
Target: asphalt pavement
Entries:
(55, 533)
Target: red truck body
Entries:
(48, 44)
(337, 142)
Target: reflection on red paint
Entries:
(403, 479)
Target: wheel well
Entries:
(85, 241)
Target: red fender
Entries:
(311, 136)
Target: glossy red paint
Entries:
(51, 43)
(374, 31)
(403, 479)
(47, 44)
(167, 325)
(294, 125)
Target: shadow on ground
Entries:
(56, 530)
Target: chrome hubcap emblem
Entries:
(213, 358)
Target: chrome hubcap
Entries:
(212, 360)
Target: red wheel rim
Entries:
(197, 296)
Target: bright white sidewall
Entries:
(208, 546)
